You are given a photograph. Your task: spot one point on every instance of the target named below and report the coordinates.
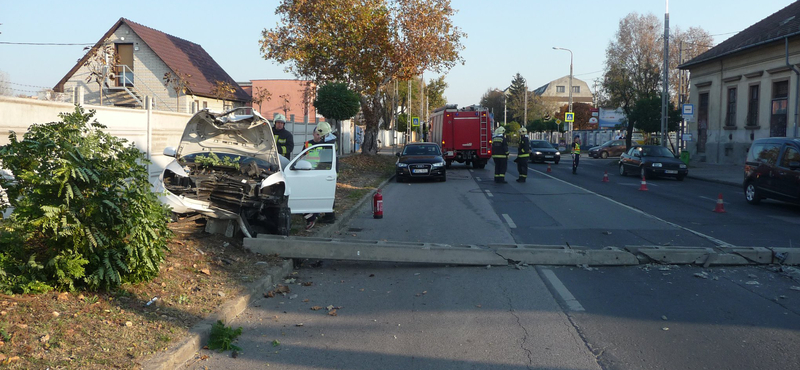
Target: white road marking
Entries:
(711, 199)
(489, 193)
(707, 237)
(562, 291)
(511, 223)
(478, 179)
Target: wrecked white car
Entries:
(227, 166)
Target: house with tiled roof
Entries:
(132, 64)
(555, 94)
(746, 88)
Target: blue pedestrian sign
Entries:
(414, 122)
(569, 117)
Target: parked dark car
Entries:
(652, 161)
(543, 151)
(611, 148)
(772, 170)
(420, 161)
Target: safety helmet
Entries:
(323, 129)
(523, 131)
(279, 117)
(577, 137)
(499, 131)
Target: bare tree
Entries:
(285, 104)
(179, 82)
(223, 91)
(5, 84)
(261, 95)
(100, 66)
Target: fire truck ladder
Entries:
(484, 148)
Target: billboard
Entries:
(611, 117)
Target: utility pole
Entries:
(665, 84)
(525, 115)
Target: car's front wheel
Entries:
(284, 221)
(752, 194)
(604, 155)
(622, 170)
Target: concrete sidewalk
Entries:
(729, 174)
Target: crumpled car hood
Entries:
(240, 131)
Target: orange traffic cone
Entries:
(548, 168)
(644, 185)
(605, 176)
(719, 208)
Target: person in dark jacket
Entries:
(283, 138)
(523, 154)
(500, 155)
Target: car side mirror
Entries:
(397, 154)
(170, 151)
(302, 165)
(793, 165)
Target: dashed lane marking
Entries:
(562, 291)
(695, 232)
(510, 222)
(711, 199)
(489, 193)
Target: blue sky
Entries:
(229, 31)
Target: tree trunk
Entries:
(371, 107)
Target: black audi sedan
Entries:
(420, 161)
(543, 151)
(652, 161)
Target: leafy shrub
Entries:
(222, 337)
(84, 214)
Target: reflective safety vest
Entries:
(576, 148)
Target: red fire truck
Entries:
(465, 135)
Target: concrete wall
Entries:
(165, 128)
(762, 66)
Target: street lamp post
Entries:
(570, 81)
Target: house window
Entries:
(205, 104)
(779, 112)
(576, 89)
(752, 106)
(730, 120)
(561, 89)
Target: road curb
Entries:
(198, 336)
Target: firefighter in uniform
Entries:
(283, 138)
(500, 154)
(576, 153)
(523, 154)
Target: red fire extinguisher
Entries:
(377, 205)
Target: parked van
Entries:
(772, 170)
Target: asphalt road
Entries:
(404, 316)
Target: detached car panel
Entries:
(227, 166)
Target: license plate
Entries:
(548, 156)
(421, 170)
(670, 171)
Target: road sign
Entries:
(569, 117)
(688, 111)
(414, 122)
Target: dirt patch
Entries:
(103, 330)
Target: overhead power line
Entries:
(42, 43)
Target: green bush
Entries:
(84, 214)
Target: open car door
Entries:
(311, 179)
